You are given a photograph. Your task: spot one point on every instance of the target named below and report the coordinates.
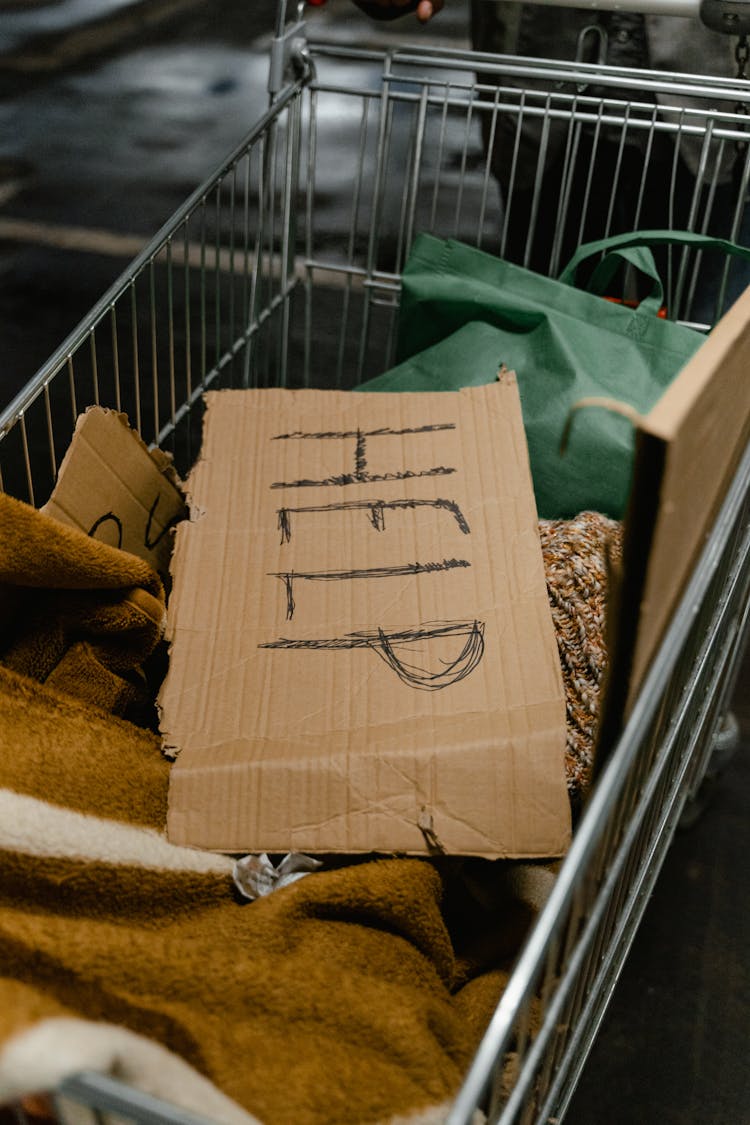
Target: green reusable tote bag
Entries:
(465, 312)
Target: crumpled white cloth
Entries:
(255, 875)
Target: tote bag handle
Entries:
(634, 248)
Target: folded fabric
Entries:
(75, 613)
(353, 995)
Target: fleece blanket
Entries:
(357, 994)
(75, 613)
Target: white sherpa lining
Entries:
(34, 827)
(41, 1057)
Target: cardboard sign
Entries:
(362, 653)
(700, 428)
(687, 450)
(111, 487)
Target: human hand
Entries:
(392, 9)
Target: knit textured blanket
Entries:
(357, 994)
(580, 556)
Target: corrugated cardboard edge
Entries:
(58, 505)
(161, 459)
(384, 828)
(687, 451)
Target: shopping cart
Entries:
(255, 282)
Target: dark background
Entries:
(111, 112)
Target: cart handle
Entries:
(634, 248)
(646, 7)
(730, 17)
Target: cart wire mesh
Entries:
(257, 281)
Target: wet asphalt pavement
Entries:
(119, 131)
(112, 143)
(101, 137)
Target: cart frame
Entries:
(232, 291)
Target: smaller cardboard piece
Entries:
(112, 487)
(362, 652)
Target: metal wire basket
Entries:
(254, 282)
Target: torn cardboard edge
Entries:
(362, 652)
(687, 450)
(138, 497)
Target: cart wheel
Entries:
(726, 741)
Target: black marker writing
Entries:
(110, 517)
(151, 543)
(386, 644)
(360, 475)
(148, 542)
(382, 431)
(342, 479)
(290, 577)
(376, 508)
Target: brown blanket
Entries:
(76, 614)
(358, 994)
(353, 995)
